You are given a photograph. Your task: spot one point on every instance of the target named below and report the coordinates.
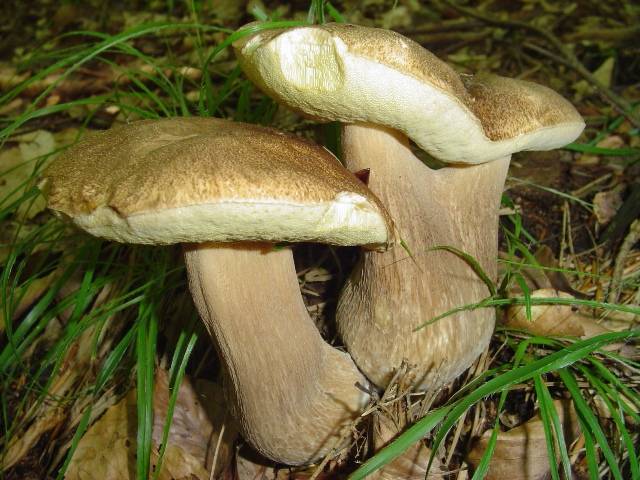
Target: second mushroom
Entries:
(388, 89)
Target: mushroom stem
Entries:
(250, 301)
(390, 294)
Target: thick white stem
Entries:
(389, 294)
(291, 392)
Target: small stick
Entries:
(215, 453)
(615, 287)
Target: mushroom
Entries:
(387, 89)
(228, 191)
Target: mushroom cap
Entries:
(356, 74)
(204, 179)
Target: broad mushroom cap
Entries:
(359, 74)
(387, 89)
(208, 181)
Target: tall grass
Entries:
(143, 279)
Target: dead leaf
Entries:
(198, 418)
(545, 275)
(17, 166)
(521, 453)
(9, 77)
(14, 172)
(604, 72)
(558, 320)
(27, 295)
(413, 462)
(248, 469)
(107, 450)
(51, 413)
(13, 232)
(228, 12)
(12, 107)
(606, 205)
(21, 445)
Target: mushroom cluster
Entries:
(228, 191)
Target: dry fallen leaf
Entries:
(413, 462)
(108, 448)
(52, 414)
(521, 453)
(13, 232)
(199, 417)
(248, 469)
(20, 446)
(604, 72)
(17, 167)
(558, 320)
(9, 77)
(26, 295)
(606, 205)
(14, 172)
(105, 451)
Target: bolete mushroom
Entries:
(387, 89)
(225, 189)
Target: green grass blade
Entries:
(617, 419)
(503, 302)
(145, 353)
(616, 383)
(591, 422)
(77, 436)
(174, 387)
(591, 454)
(412, 435)
(617, 152)
(472, 262)
(483, 466)
(526, 294)
(451, 413)
(551, 424)
(335, 15)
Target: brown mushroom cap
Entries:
(358, 74)
(204, 179)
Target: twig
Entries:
(618, 34)
(570, 59)
(455, 25)
(217, 450)
(546, 53)
(615, 287)
(627, 213)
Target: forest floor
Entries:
(94, 337)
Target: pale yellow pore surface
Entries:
(204, 179)
(359, 74)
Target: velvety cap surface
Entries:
(359, 74)
(205, 179)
